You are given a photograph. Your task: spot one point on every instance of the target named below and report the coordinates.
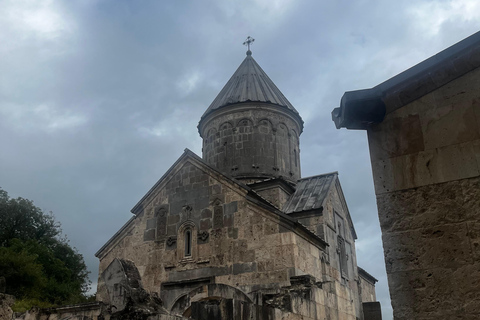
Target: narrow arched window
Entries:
(188, 243)
(295, 157)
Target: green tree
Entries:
(38, 263)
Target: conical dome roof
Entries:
(249, 83)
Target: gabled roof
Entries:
(361, 108)
(311, 193)
(249, 83)
(367, 276)
(187, 154)
(250, 195)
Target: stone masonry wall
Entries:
(236, 243)
(326, 225)
(426, 167)
(367, 290)
(252, 141)
(275, 195)
(337, 224)
(432, 258)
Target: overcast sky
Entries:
(99, 98)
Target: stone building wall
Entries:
(366, 288)
(252, 140)
(337, 225)
(277, 195)
(426, 166)
(236, 242)
(243, 244)
(331, 223)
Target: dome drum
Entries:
(252, 141)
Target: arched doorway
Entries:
(212, 294)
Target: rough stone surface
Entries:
(426, 166)
(6, 301)
(431, 236)
(253, 141)
(366, 287)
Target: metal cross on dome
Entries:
(248, 42)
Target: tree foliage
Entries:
(38, 263)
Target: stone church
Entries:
(238, 233)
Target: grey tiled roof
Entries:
(249, 83)
(310, 193)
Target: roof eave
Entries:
(138, 208)
(361, 108)
(366, 275)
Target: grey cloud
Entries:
(119, 107)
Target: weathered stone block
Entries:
(202, 202)
(423, 292)
(247, 255)
(450, 124)
(217, 199)
(427, 167)
(206, 213)
(228, 220)
(428, 206)
(172, 230)
(270, 229)
(244, 267)
(173, 219)
(264, 266)
(151, 223)
(231, 208)
(205, 224)
(216, 189)
(400, 136)
(427, 248)
(6, 301)
(233, 233)
(149, 235)
(474, 236)
(217, 217)
(462, 279)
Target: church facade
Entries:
(238, 233)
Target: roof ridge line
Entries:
(319, 175)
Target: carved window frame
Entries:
(341, 247)
(187, 228)
(187, 243)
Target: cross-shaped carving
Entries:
(187, 210)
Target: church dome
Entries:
(249, 83)
(251, 131)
